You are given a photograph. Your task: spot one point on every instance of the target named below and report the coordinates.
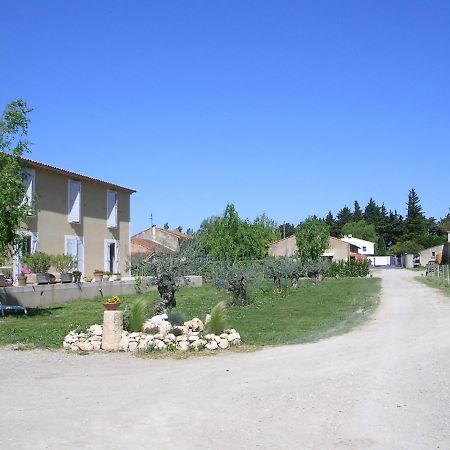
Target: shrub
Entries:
(175, 318)
(216, 325)
(134, 315)
(350, 268)
(295, 269)
(64, 263)
(275, 268)
(38, 262)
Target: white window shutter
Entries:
(34, 243)
(74, 201)
(107, 256)
(29, 183)
(80, 253)
(117, 257)
(111, 221)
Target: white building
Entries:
(366, 248)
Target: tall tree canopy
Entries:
(228, 237)
(361, 230)
(13, 144)
(312, 238)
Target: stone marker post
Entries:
(112, 330)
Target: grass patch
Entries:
(434, 283)
(305, 314)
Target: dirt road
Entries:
(383, 386)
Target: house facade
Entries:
(366, 248)
(338, 250)
(76, 215)
(439, 253)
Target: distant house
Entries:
(76, 215)
(366, 248)
(337, 251)
(439, 253)
(156, 239)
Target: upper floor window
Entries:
(29, 182)
(111, 209)
(364, 248)
(74, 212)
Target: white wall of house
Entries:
(365, 247)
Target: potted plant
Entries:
(64, 264)
(22, 277)
(106, 276)
(112, 304)
(39, 263)
(117, 276)
(76, 276)
(98, 275)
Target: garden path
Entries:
(384, 385)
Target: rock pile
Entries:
(158, 334)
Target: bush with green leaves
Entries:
(352, 268)
(38, 262)
(235, 278)
(216, 324)
(275, 269)
(295, 269)
(64, 263)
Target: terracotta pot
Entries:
(111, 306)
(21, 280)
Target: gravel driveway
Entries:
(382, 386)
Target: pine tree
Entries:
(357, 212)
(372, 212)
(343, 216)
(415, 219)
(332, 225)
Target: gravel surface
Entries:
(384, 385)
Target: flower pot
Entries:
(117, 276)
(105, 277)
(66, 277)
(98, 277)
(111, 306)
(76, 277)
(21, 280)
(44, 278)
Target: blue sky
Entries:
(291, 108)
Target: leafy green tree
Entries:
(361, 230)
(444, 224)
(228, 237)
(405, 247)
(13, 144)
(372, 212)
(312, 239)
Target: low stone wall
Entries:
(48, 294)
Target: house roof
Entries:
(175, 233)
(150, 246)
(76, 175)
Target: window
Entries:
(364, 248)
(74, 201)
(74, 246)
(433, 254)
(111, 218)
(112, 256)
(29, 182)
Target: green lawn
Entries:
(296, 315)
(434, 283)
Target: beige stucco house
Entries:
(77, 215)
(338, 250)
(439, 253)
